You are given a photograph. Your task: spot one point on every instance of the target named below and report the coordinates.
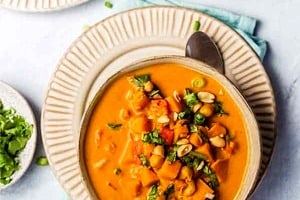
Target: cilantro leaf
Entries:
(199, 119)
(14, 135)
(191, 99)
(219, 108)
(144, 160)
(114, 126)
(153, 138)
(171, 157)
(170, 189)
(141, 80)
(153, 194)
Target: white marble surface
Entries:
(32, 44)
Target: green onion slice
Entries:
(198, 82)
(108, 4)
(42, 161)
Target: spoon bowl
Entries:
(201, 47)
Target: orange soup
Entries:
(165, 132)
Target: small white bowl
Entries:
(12, 98)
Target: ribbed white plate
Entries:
(39, 5)
(125, 38)
(12, 98)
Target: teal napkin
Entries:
(244, 25)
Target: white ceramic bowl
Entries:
(253, 136)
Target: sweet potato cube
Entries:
(148, 149)
(148, 177)
(133, 187)
(139, 100)
(220, 167)
(195, 140)
(216, 129)
(140, 124)
(180, 130)
(173, 104)
(169, 170)
(205, 149)
(202, 190)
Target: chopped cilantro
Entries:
(191, 99)
(193, 128)
(219, 108)
(153, 138)
(199, 119)
(153, 194)
(211, 175)
(170, 189)
(114, 126)
(203, 136)
(144, 160)
(171, 157)
(141, 80)
(184, 114)
(14, 135)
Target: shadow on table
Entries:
(276, 174)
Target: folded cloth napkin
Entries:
(244, 25)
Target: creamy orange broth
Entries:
(103, 143)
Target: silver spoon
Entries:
(201, 47)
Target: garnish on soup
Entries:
(176, 140)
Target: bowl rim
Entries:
(254, 154)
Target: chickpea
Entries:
(190, 189)
(139, 100)
(156, 161)
(207, 110)
(186, 173)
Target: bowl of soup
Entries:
(169, 128)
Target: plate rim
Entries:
(251, 51)
(42, 10)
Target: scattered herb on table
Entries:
(196, 26)
(42, 161)
(108, 4)
(14, 135)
